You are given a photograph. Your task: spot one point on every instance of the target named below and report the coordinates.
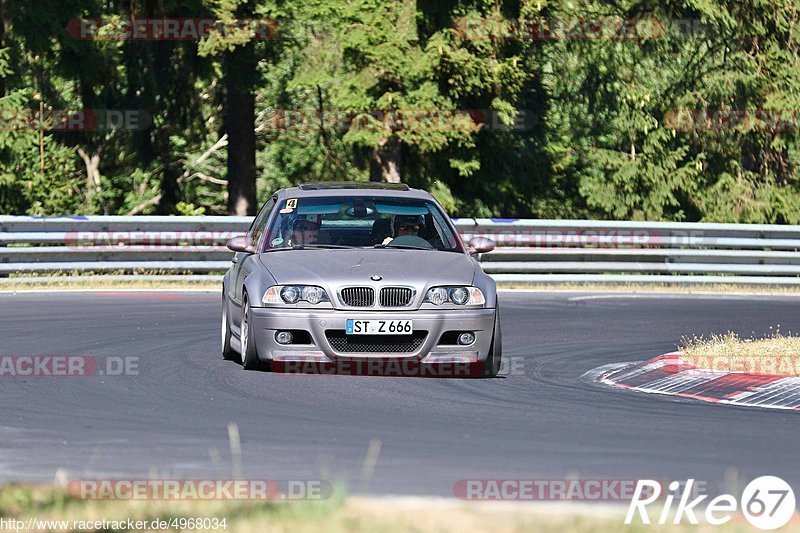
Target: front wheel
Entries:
(491, 367)
(227, 352)
(250, 360)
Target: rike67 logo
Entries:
(767, 503)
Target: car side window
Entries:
(260, 221)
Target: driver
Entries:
(305, 231)
(406, 225)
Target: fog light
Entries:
(284, 337)
(466, 339)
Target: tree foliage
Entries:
(674, 110)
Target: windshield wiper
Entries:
(402, 246)
(320, 247)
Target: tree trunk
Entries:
(93, 185)
(169, 190)
(240, 125)
(385, 164)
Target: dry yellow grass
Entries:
(23, 282)
(677, 288)
(73, 281)
(776, 354)
(105, 285)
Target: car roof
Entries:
(353, 188)
(327, 185)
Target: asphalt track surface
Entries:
(542, 422)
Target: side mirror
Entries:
(240, 244)
(481, 245)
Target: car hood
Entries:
(334, 268)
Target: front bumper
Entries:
(266, 321)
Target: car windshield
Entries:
(360, 221)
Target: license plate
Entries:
(379, 327)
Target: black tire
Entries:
(228, 353)
(250, 360)
(491, 367)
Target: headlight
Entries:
(456, 295)
(314, 295)
(291, 294)
(459, 296)
(437, 295)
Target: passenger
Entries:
(304, 232)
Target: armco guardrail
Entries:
(611, 251)
(111, 243)
(528, 250)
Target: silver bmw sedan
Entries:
(333, 275)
